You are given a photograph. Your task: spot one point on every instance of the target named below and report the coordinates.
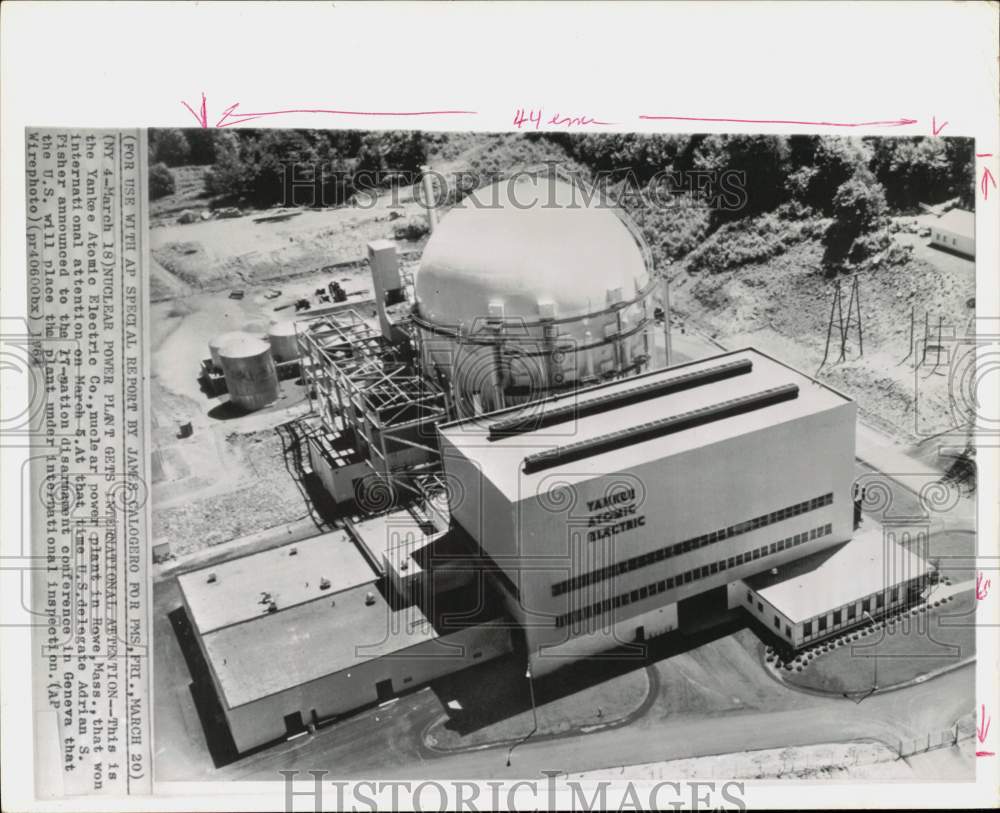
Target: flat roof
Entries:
(831, 578)
(958, 221)
(395, 535)
(501, 457)
(289, 579)
(282, 650)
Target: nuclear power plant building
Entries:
(623, 511)
(519, 465)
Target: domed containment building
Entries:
(530, 286)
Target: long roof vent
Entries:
(521, 424)
(658, 428)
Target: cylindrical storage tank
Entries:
(221, 339)
(250, 373)
(532, 286)
(283, 338)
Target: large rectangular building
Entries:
(610, 512)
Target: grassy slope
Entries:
(782, 303)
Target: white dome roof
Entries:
(531, 239)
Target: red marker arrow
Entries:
(982, 730)
(202, 114)
(987, 179)
(231, 117)
(982, 586)
(891, 123)
(934, 127)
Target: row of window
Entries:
(873, 603)
(624, 599)
(943, 238)
(645, 559)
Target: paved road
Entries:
(380, 743)
(884, 454)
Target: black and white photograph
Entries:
(477, 454)
(423, 405)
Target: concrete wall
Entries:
(337, 480)
(263, 720)
(679, 498)
(601, 634)
(480, 508)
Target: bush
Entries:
(924, 170)
(226, 178)
(744, 242)
(859, 208)
(869, 245)
(169, 147)
(161, 181)
(826, 163)
(761, 161)
(672, 231)
(309, 167)
(413, 228)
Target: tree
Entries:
(859, 210)
(913, 170)
(962, 163)
(404, 152)
(273, 159)
(202, 144)
(227, 177)
(169, 147)
(161, 181)
(762, 162)
(826, 163)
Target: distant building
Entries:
(955, 230)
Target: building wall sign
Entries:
(614, 514)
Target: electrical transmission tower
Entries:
(845, 322)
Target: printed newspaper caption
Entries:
(86, 221)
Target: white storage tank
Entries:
(283, 338)
(250, 373)
(221, 339)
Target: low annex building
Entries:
(823, 594)
(955, 230)
(307, 631)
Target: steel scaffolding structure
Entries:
(368, 389)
